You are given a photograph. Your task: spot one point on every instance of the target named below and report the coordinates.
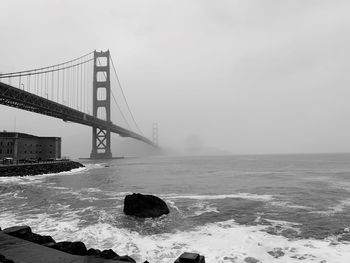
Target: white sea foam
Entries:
(202, 207)
(342, 204)
(220, 242)
(248, 196)
(288, 204)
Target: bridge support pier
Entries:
(101, 138)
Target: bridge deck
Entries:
(17, 98)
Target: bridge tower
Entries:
(101, 138)
(155, 133)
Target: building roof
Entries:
(6, 134)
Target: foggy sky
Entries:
(243, 76)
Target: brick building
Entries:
(21, 146)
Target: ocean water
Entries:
(274, 208)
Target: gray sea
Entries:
(274, 208)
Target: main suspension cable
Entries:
(126, 102)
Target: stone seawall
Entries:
(38, 168)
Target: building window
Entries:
(0, 151)
(25, 151)
(8, 151)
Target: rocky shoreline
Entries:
(74, 248)
(38, 168)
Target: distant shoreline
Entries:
(38, 168)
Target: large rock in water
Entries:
(144, 206)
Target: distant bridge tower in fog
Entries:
(155, 133)
(66, 90)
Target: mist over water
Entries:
(227, 208)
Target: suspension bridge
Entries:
(81, 91)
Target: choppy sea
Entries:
(273, 208)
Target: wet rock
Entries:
(93, 252)
(18, 231)
(251, 260)
(25, 232)
(40, 168)
(109, 254)
(3, 259)
(276, 253)
(74, 248)
(126, 258)
(140, 205)
(188, 257)
(42, 240)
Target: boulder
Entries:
(109, 254)
(3, 259)
(140, 205)
(126, 258)
(74, 248)
(18, 231)
(41, 240)
(93, 252)
(25, 232)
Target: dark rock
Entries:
(42, 240)
(74, 248)
(3, 259)
(144, 206)
(126, 258)
(93, 252)
(190, 258)
(18, 231)
(109, 254)
(25, 232)
(40, 168)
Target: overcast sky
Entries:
(243, 76)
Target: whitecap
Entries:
(248, 196)
(342, 204)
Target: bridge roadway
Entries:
(17, 98)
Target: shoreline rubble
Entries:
(76, 248)
(38, 168)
